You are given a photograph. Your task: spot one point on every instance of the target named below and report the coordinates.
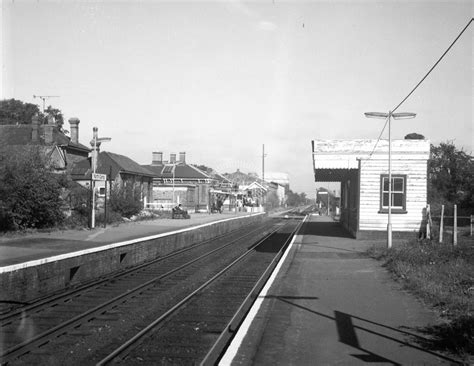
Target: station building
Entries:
(361, 167)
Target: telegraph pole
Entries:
(44, 97)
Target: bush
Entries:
(125, 200)
(30, 192)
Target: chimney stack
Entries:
(48, 130)
(74, 123)
(182, 157)
(157, 158)
(173, 158)
(34, 129)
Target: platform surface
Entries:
(330, 304)
(36, 246)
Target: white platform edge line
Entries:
(234, 346)
(38, 262)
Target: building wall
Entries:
(416, 194)
(163, 194)
(349, 201)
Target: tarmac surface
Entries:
(330, 304)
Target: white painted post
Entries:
(441, 224)
(428, 221)
(455, 226)
(472, 221)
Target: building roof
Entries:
(21, 134)
(111, 163)
(333, 158)
(181, 171)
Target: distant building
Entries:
(281, 178)
(363, 174)
(178, 182)
(121, 171)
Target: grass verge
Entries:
(443, 276)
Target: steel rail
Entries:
(128, 344)
(215, 353)
(95, 283)
(42, 338)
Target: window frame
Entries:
(398, 209)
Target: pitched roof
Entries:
(111, 163)
(21, 135)
(181, 171)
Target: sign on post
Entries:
(97, 176)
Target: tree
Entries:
(57, 115)
(14, 111)
(414, 136)
(295, 199)
(451, 176)
(30, 193)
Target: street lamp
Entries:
(389, 116)
(96, 141)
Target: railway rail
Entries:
(198, 328)
(84, 324)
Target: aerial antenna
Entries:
(44, 97)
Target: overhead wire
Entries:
(378, 139)
(433, 67)
(419, 83)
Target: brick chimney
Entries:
(48, 130)
(34, 129)
(157, 158)
(182, 157)
(74, 123)
(173, 158)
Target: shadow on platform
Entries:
(333, 229)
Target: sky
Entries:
(218, 80)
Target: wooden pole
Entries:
(441, 225)
(455, 226)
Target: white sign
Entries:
(96, 176)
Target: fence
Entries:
(447, 224)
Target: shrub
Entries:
(30, 192)
(125, 200)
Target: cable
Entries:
(377, 142)
(437, 62)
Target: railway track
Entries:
(41, 333)
(198, 328)
(31, 328)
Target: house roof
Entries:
(21, 134)
(111, 163)
(181, 171)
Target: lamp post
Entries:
(389, 116)
(96, 141)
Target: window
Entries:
(399, 197)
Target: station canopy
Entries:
(333, 160)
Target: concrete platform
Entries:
(21, 249)
(329, 304)
(33, 266)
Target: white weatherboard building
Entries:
(361, 166)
